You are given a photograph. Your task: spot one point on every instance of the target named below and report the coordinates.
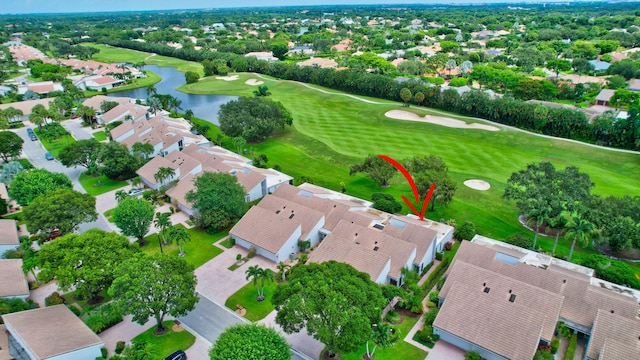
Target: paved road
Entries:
(34, 151)
(210, 319)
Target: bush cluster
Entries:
(54, 299)
(103, 318)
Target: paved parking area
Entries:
(442, 350)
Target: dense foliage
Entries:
(248, 342)
(27, 185)
(218, 200)
(61, 209)
(253, 118)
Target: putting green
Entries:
(334, 130)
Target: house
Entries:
(604, 97)
(99, 82)
(343, 228)
(165, 134)
(518, 296)
(599, 66)
(13, 282)
(320, 62)
(94, 102)
(53, 332)
(42, 88)
(262, 55)
(123, 112)
(26, 107)
(634, 85)
(8, 236)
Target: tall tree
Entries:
(163, 174)
(85, 261)
(218, 199)
(80, 153)
(163, 222)
(260, 277)
(558, 225)
(248, 342)
(538, 214)
(116, 162)
(10, 145)
(405, 95)
(254, 118)
(28, 185)
(61, 209)
(377, 169)
(154, 286)
(180, 236)
(336, 303)
(579, 229)
(133, 217)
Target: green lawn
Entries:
(54, 147)
(167, 343)
(100, 135)
(246, 296)
(400, 350)
(228, 243)
(90, 184)
(114, 54)
(332, 132)
(197, 251)
(18, 216)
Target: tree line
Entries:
(564, 123)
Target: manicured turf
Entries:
(90, 184)
(197, 251)
(399, 350)
(113, 54)
(169, 342)
(246, 297)
(227, 243)
(54, 147)
(100, 135)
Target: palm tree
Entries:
(180, 236)
(262, 90)
(381, 336)
(10, 170)
(36, 119)
(283, 268)
(135, 182)
(239, 142)
(163, 174)
(142, 150)
(154, 105)
(175, 103)
(580, 229)
(537, 216)
(188, 114)
(558, 223)
(120, 195)
(450, 65)
(151, 90)
(162, 222)
(260, 278)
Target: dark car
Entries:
(176, 355)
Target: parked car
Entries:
(135, 192)
(48, 156)
(54, 234)
(33, 137)
(176, 355)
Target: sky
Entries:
(65, 6)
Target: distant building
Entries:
(320, 62)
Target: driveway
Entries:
(74, 126)
(210, 319)
(34, 151)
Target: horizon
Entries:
(32, 7)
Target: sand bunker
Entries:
(438, 120)
(476, 184)
(227, 78)
(254, 82)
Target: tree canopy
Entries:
(377, 169)
(154, 286)
(253, 118)
(133, 217)
(80, 153)
(116, 162)
(336, 303)
(85, 261)
(27, 185)
(218, 199)
(61, 209)
(248, 342)
(10, 145)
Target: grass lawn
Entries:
(228, 243)
(18, 216)
(332, 132)
(90, 184)
(400, 350)
(197, 251)
(107, 214)
(54, 147)
(114, 54)
(246, 296)
(100, 135)
(169, 342)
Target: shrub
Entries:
(457, 82)
(543, 355)
(304, 245)
(232, 241)
(555, 344)
(386, 202)
(54, 299)
(74, 309)
(434, 80)
(440, 283)
(465, 231)
(525, 242)
(472, 355)
(563, 330)
(120, 347)
(439, 256)
(571, 349)
(392, 316)
(238, 257)
(431, 304)
(103, 318)
(434, 296)
(104, 352)
(430, 316)
(252, 252)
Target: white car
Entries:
(135, 192)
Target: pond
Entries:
(203, 106)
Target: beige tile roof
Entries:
(205, 153)
(26, 106)
(420, 236)
(95, 101)
(179, 191)
(13, 282)
(489, 320)
(148, 170)
(398, 250)
(262, 229)
(616, 336)
(122, 129)
(245, 176)
(3, 191)
(365, 260)
(8, 232)
(51, 331)
(502, 286)
(119, 112)
(281, 208)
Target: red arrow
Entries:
(407, 176)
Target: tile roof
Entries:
(264, 230)
(489, 320)
(605, 95)
(614, 337)
(26, 106)
(8, 232)
(122, 110)
(178, 192)
(58, 331)
(280, 208)
(13, 282)
(95, 101)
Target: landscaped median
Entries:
(198, 250)
(94, 187)
(54, 137)
(246, 297)
(176, 338)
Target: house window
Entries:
(180, 144)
